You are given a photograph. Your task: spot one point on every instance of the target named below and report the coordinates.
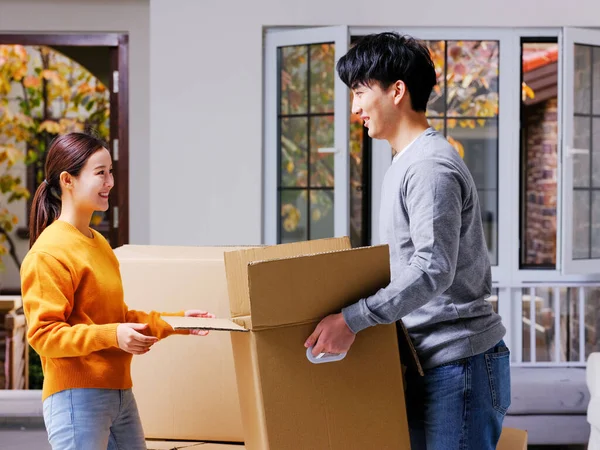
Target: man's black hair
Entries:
(386, 58)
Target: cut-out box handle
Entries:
(323, 357)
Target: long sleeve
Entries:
(48, 298)
(434, 201)
(158, 327)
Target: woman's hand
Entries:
(199, 313)
(131, 341)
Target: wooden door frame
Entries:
(120, 42)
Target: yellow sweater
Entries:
(73, 301)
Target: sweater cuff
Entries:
(106, 335)
(356, 316)
(173, 314)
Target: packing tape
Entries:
(322, 358)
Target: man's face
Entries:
(376, 108)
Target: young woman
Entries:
(73, 301)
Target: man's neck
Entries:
(408, 129)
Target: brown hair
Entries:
(67, 153)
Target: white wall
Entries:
(206, 139)
(122, 16)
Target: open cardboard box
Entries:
(277, 296)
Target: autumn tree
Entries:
(42, 93)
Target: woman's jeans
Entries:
(460, 405)
(93, 419)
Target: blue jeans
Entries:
(93, 419)
(460, 405)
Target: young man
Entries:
(441, 274)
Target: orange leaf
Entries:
(32, 82)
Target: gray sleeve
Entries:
(433, 198)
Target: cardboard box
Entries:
(174, 445)
(288, 402)
(185, 386)
(512, 439)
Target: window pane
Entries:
(437, 101)
(477, 143)
(539, 199)
(294, 153)
(583, 79)
(539, 150)
(595, 152)
(293, 223)
(488, 201)
(544, 324)
(322, 77)
(596, 80)
(493, 299)
(294, 90)
(461, 106)
(581, 162)
(357, 185)
(472, 79)
(321, 214)
(595, 224)
(581, 224)
(592, 321)
(321, 164)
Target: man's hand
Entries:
(332, 335)
(199, 313)
(131, 341)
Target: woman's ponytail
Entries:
(45, 209)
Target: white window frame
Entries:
(572, 36)
(507, 275)
(341, 209)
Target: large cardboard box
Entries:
(185, 386)
(288, 403)
(512, 439)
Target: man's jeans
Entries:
(93, 419)
(460, 405)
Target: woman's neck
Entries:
(79, 220)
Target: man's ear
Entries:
(399, 88)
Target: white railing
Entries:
(550, 324)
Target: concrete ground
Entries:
(24, 439)
(22, 426)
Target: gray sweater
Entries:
(440, 268)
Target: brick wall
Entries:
(541, 184)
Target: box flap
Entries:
(201, 323)
(356, 403)
(236, 265)
(315, 285)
